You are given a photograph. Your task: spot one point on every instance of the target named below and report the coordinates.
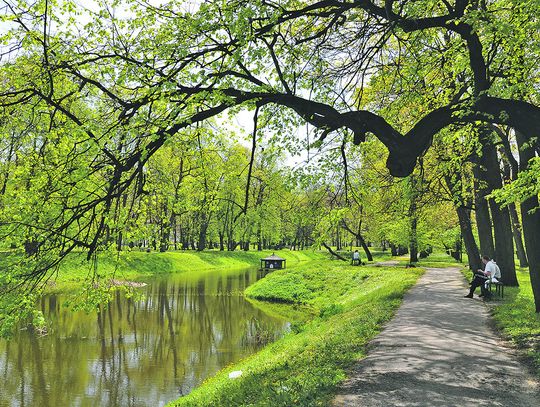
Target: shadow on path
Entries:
(439, 351)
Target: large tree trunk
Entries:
(464, 216)
(365, 247)
(413, 240)
(518, 236)
(483, 218)
(413, 222)
(531, 223)
(531, 232)
(510, 174)
(504, 246)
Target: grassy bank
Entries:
(139, 265)
(515, 317)
(350, 305)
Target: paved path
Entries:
(439, 351)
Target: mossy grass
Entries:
(349, 305)
(516, 318)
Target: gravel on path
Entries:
(439, 350)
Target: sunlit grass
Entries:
(516, 317)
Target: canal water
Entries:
(143, 352)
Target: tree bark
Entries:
(464, 216)
(504, 246)
(531, 222)
(518, 236)
(413, 219)
(481, 212)
(333, 253)
(413, 240)
(202, 232)
(510, 169)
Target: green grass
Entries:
(377, 253)
(440, 259)
(350, 305)
(435, 260)
(515, 316)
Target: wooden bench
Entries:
(499, 287)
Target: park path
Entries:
(439, 350)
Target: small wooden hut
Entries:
(272, 262)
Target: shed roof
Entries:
(273, 257)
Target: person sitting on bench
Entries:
(482, 278)
(494, 273)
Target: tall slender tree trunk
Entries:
(518, 236)
(413, 225)
(483, 218)
(221, 239)
(510, 173)
(259, 236)
(465, 226)
(176, 238)
(504, 245)
(464, 216)
(531, 223)
(202, 232)
(413, 240)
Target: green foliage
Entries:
(526, 185)
(304, 367)
(108, 140)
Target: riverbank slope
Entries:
(304, 368)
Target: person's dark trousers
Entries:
(478, 282)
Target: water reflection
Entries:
(136, 353)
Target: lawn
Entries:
(517, 320)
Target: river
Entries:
(143, 352)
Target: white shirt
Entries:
(493, 270)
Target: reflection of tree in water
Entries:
(142, 352)
(259, 333)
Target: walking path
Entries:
(439, 351)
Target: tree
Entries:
(306, 57)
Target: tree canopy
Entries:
(91, 95)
